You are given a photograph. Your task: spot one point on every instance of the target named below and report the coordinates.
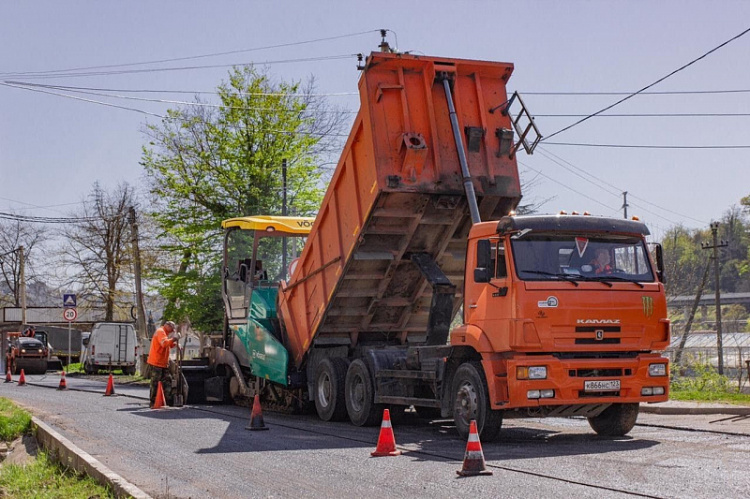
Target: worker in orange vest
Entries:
(165, 338)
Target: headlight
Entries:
(657, 370)
(533, 372)
(23, 350)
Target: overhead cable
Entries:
(193, 57)
(182, 68)
(647, 86)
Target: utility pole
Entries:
(140, 320)
(22, 283)
(283, 213)
(715, 246)
(625, 204)
(689, 325)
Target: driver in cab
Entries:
(602, 262)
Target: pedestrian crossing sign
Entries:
(69, 300)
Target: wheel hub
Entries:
(466, 403)
(324, 390)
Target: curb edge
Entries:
(72, 456)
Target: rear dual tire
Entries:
(330, 379)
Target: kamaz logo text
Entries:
(598, 321)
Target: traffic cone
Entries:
(8, 377)
(63, 384)
(22, 379)
(386, 440)
(474, 458)
(256, 417)
(110, 386)
(159, 402)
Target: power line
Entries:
(47, 220)
(645, 115)
(180, 118)
(616, 189)
(667, 92)
(648, 86)
(644, 146)
(202, 56)
(564, 185)
(191, 92)
(162, 101)
(182, 68)
(82, 99)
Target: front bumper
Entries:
(567, 377)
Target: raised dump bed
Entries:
(397, 192)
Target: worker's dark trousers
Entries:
(161, 374)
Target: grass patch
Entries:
(14, 421)
(704, 384)
(45, 478)
(703, 396)
(42, 478)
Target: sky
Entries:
(53, 148)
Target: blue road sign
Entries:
(69, 300)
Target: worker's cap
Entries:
(171, 325)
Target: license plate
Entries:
(602, 386)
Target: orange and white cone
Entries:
(22, 379)
(63, 384)
(474, 458)
(110, 386)
(386, 441)
(160, 401)
(8, 377)
(256, 416)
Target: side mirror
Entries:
(660, 264)
(85, 342)
(482, 272)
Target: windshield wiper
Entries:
(564, 277)
(605, 278)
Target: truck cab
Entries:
(565, 312)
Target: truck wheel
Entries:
(616, 420)
(88, 368)
(330, 378)
(360, 395)
(472, 402)
(129, 371)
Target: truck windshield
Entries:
(542, 257)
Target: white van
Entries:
(111, 345)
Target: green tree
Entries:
(207, 164)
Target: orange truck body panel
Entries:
(398, 189)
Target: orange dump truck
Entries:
(364, 320)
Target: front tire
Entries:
(330, 380)
(616, 420)
(471, 401)
(360, 395)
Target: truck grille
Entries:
(583, 394)
(594, 341)
(593, 329)
(599, 373)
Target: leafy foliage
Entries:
(208, 164)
